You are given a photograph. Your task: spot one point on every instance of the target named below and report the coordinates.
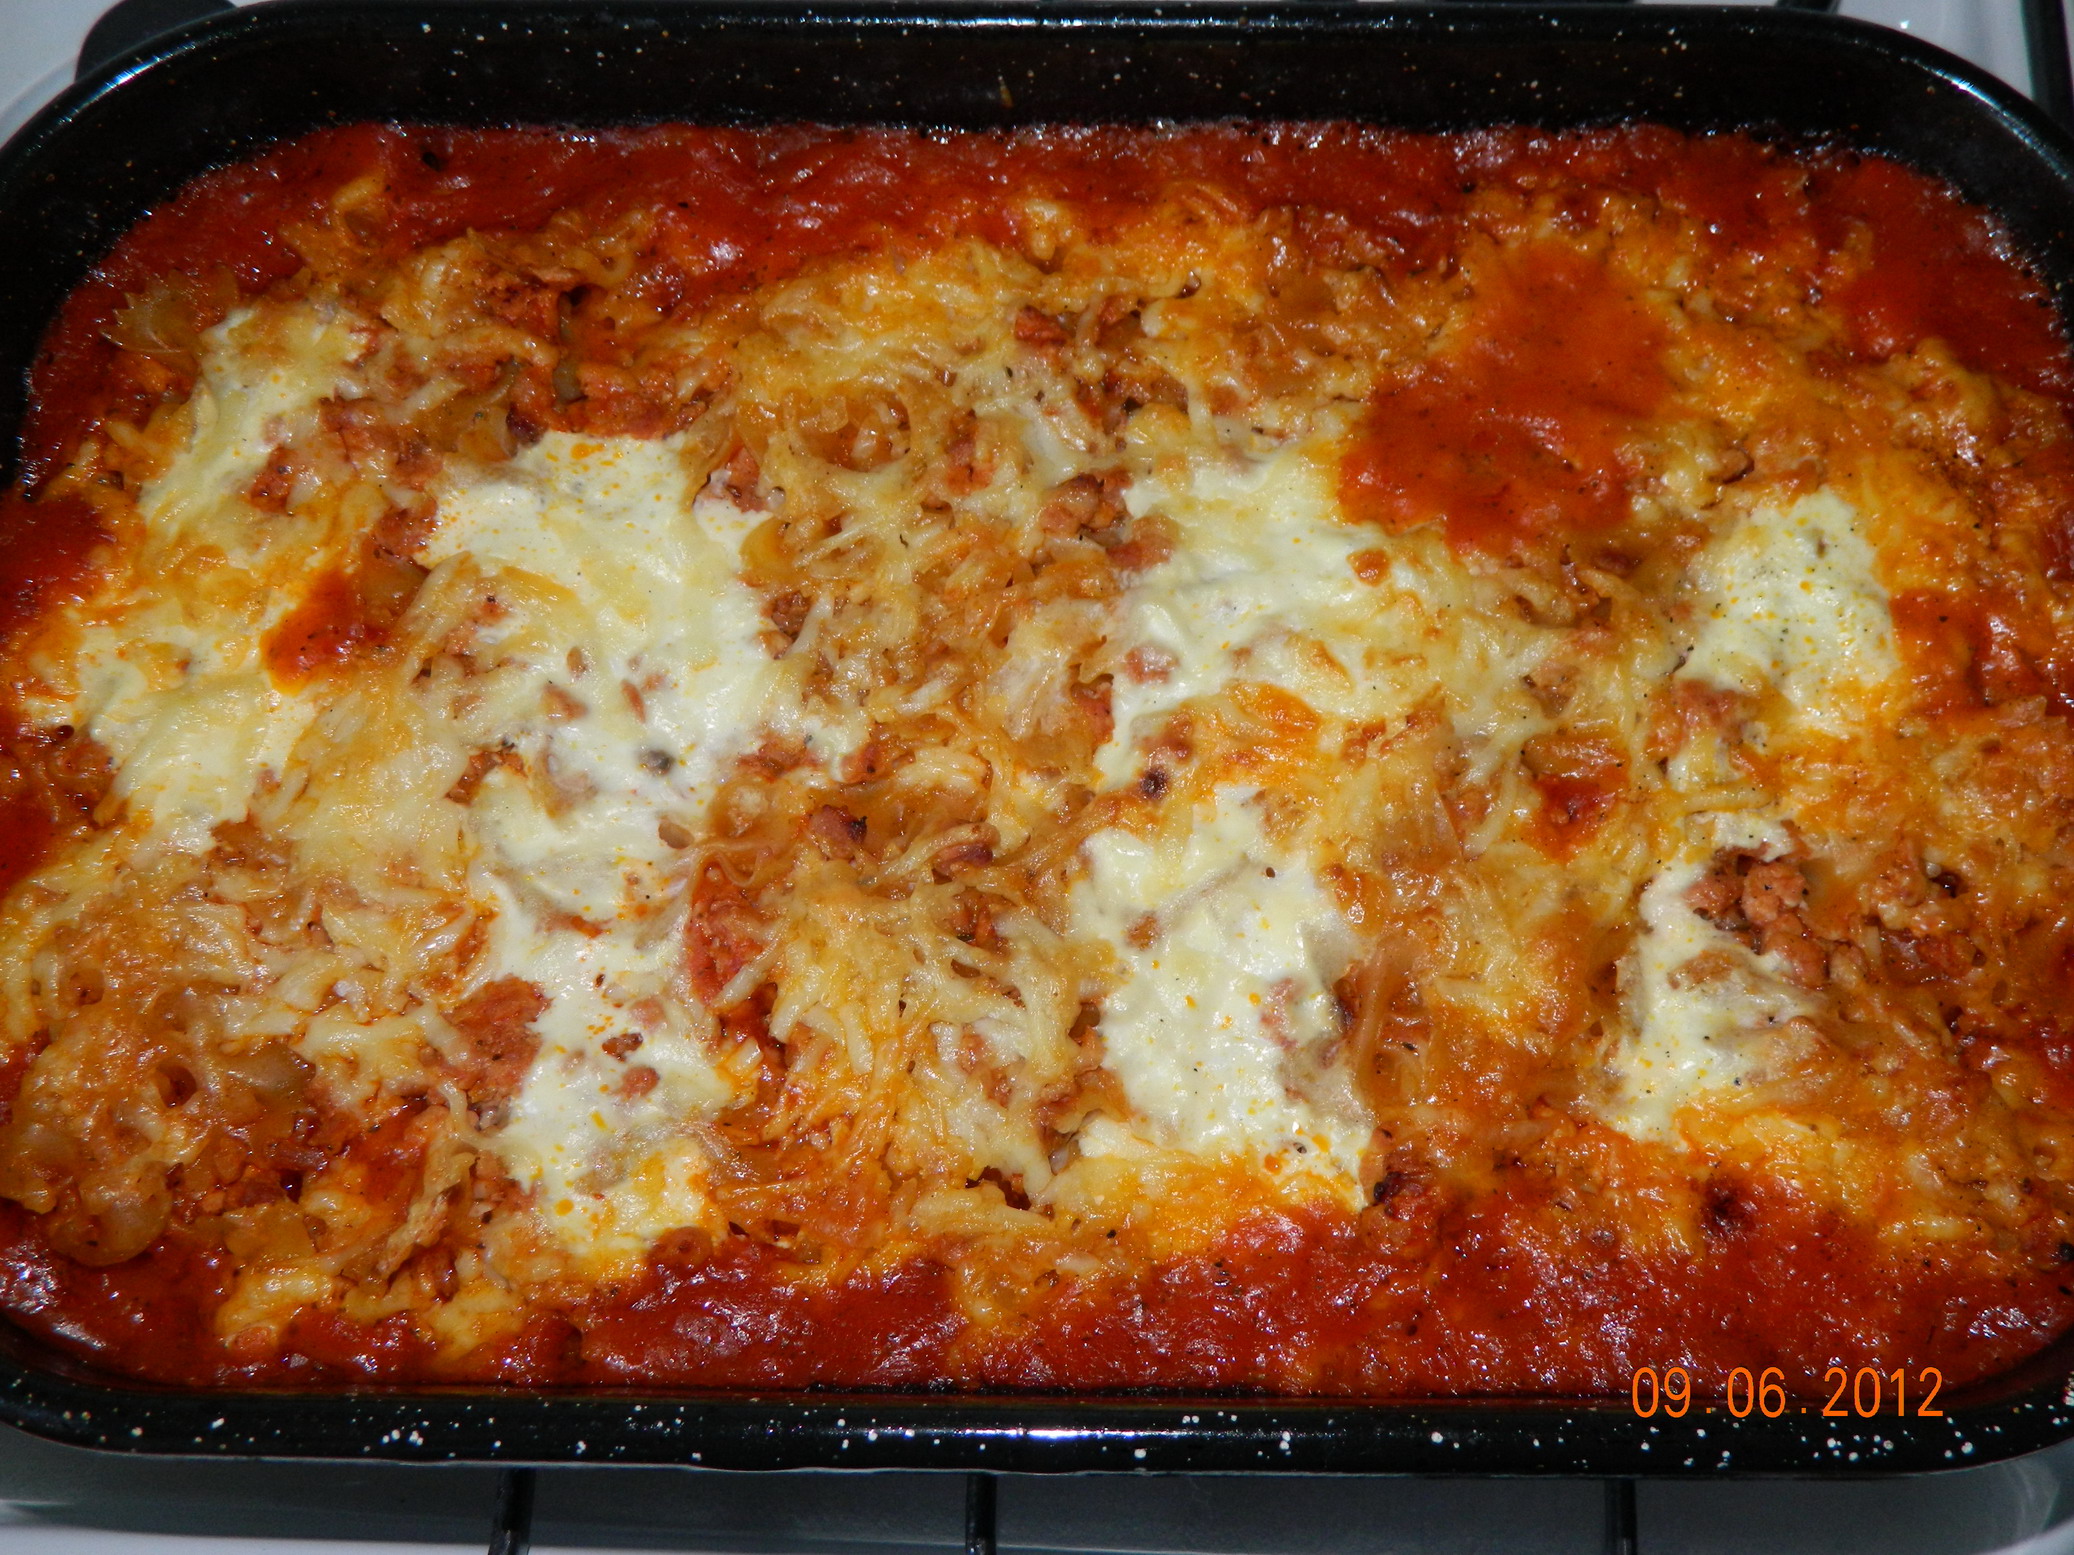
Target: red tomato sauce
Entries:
(1573, 808)
(1508, 439)
(1518, 432)
(335, 624)
(1509, 1303)
(25, 833)
(1963, 653)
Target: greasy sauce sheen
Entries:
(1500, 1197)
(1517, 433)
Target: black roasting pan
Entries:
(134, 130)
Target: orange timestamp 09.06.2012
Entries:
(1862, 1393)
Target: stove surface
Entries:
(64, 1501)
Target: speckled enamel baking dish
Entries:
(132, 132)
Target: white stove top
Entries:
(62, 1501)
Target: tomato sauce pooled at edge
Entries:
(1490, 1302)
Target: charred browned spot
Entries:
(1011, 1187)
(1725, 1210)
(622, 1045)
(1130, 387)
(788, 612)
(526, 426)
(1933, 957)
(495, 1024)
(1154, 783)
(972, 920)
(1402, 1217)
(1090, 504)
(774, 757)
(480, 764)
(275, 483)
(973, 852)
(1034, 328)
(837, 833)
(877, 756)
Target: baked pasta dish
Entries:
(1277, 758)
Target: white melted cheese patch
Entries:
(630, 670)
(632, 667)
(1699, 1005)
(172, 682)
(264, 373)
(1262, 586)
(1263, 562)
(1229, 990)
(1791, 598)
(612, 1173)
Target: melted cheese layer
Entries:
(968, 785)
(629, 671)
(1700, 1004)
(1229, 950)
(1791, 600)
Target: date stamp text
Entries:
(1862, 1394)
